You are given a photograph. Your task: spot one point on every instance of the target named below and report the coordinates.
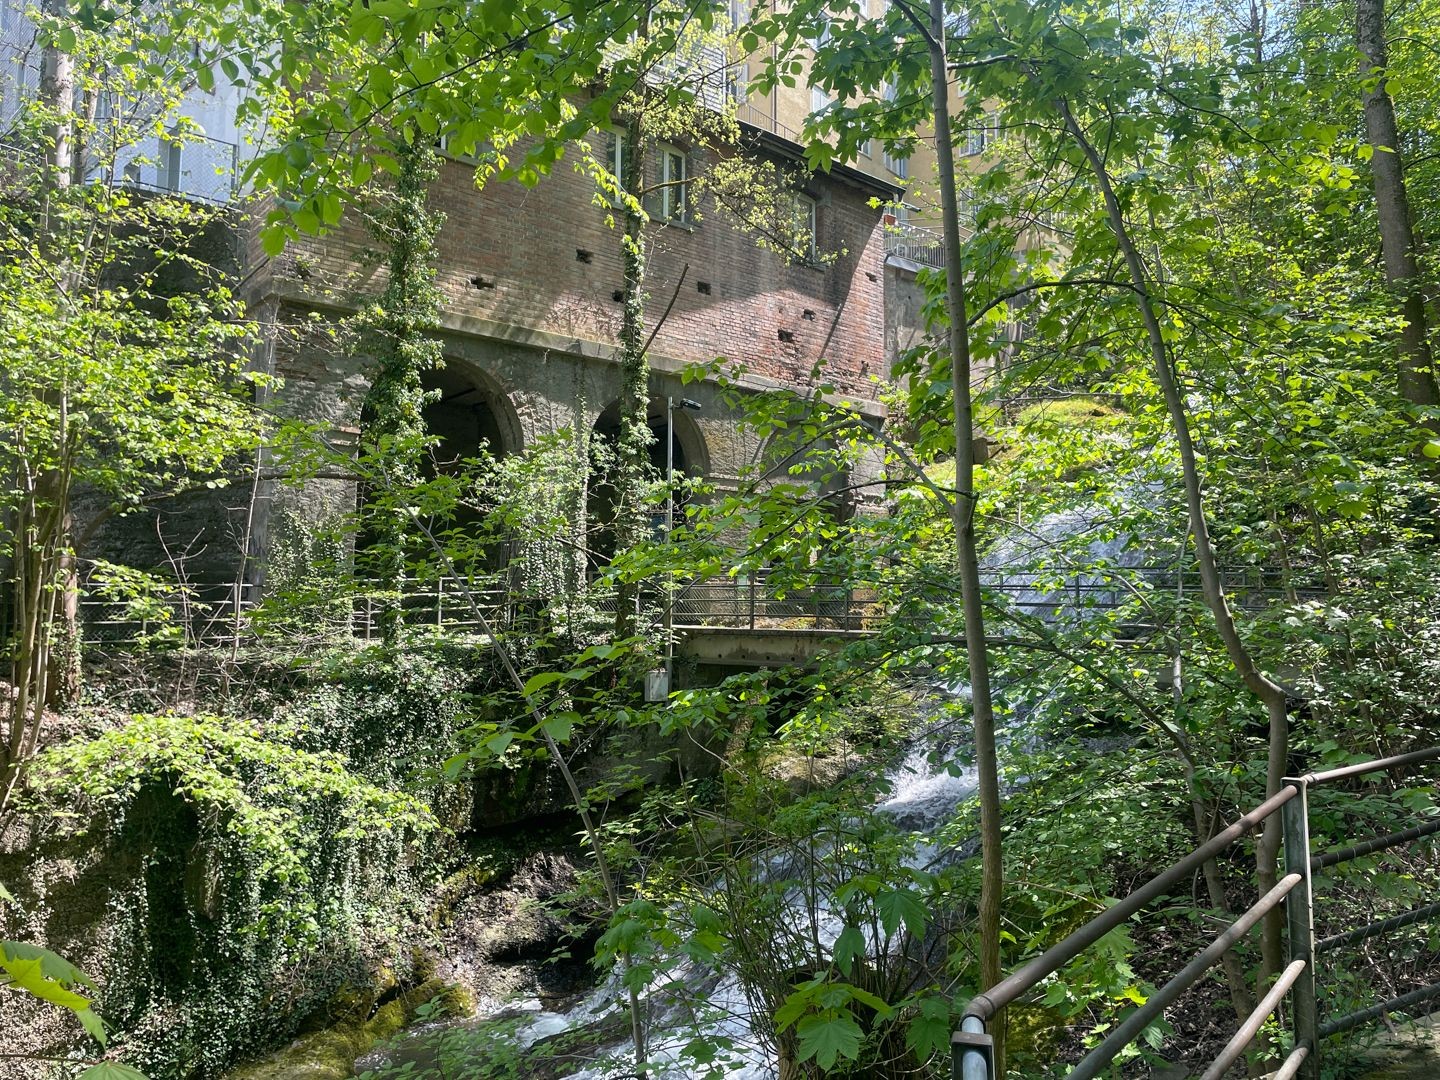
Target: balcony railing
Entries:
(924, 247)
(196, 167)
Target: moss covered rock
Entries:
(331, 1054)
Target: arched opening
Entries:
(816, 466)
(687, 456)
(470, 415)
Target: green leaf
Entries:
(849, 947)
(111, 1070)
(92, 1025)
(27, 975)
(826, 1039)
(540, 681)
(52, 965)
(559, 726)
(901, 906)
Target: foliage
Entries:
(258, 789)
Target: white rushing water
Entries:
(923, 795)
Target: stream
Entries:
(922, 792)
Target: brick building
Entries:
(531, 281)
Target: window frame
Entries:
(674, 200)
(805, 221)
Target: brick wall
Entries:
(509, 255)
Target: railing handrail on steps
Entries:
(972, 1045)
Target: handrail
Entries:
(986, 1004)
(1398, 761)
(972, 1046)
(1130, 1028)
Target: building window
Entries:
(898, 163)
(819, 100)
(739, 14)
(674, 184)
(615, 157)
(737, 83)
(977, 139)
(803, 221)
(867, 148)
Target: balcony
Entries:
(194, 167)
(923, 247)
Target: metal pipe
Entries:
(1363, 1016)
(986, 1004)
(974, 1063)
(1251, 1027)
(1300, 926)
(1384, 926)
(1373, 766)
(1130, 1028)
(1291, 1066)
(1379, 843)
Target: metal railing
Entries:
(213, 613)
(972, 1045)
(758, 602)
(209, 612)
(754, 604)
(915, 244)
(442, 604)
(192, 615)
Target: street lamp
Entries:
(671, 404)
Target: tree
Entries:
(1399, 244)
(854, 61)
(397, 330)
(124, 359)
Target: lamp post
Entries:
(671, 404)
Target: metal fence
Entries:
(191, 615)
(915, 244)
(972, 1045)
(214, 613)
(761, 601)
(753, 603)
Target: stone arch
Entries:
(692, 455)
(692, 459)
(787, 456)
(472, 410)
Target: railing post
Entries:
(972, 1051)
(752, 600)
(1300, 926)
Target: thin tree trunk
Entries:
(1270, 693)
(57, 93)
(1399, 245)
(967, 563)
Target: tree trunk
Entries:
(57, 93)
(1270, 693)
(962, 506)
(1399, 245)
